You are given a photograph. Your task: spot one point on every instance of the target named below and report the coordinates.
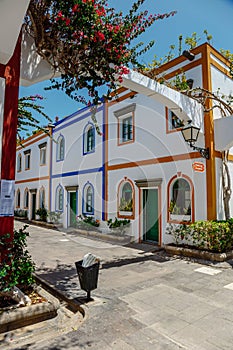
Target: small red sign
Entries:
(199, 166)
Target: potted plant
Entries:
(126, 207)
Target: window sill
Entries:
(180, 218)
(125, 214)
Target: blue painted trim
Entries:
(78, 172)
(50, 172)
(91, 125)
(77, 119)
(103, 164)
(84, 199)
(60, 137)
(56, 192)
(71, 115)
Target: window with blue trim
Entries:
(89, 139)
(88, 199)
(59, 198)
(60, 148)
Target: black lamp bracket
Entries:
(204, 152)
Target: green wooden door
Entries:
(150, 215)
(73, 206)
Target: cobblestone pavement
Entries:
(144, 300)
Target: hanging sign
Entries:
(7, 198)
(199, 167)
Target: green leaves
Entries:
(17, 267)
(27, 108)
(214, 236)
(88, 42)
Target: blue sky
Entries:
(216, 16)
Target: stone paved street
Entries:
(144, 300)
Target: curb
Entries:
(74, 305)
(103, 236)
(11, 319)
(195, 253)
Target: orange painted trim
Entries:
(183, 69)
(230, 157)
(209, 139)
(219, 56)
(166, 159)
(122, 98)
(106, 162)
(25, 144)
(130, 217)
(140, 216)
(160, 215)
(175, 177)
(217, 154)
(118, 91)
(220, 68)
(31, 180)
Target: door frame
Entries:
(70, 189)
(147, 185)
(33, 195)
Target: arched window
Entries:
(26, 198)
(59, 198)
(125, 198)
(88, 199)
(89, 138)
(19, 163)
(18, 198)
(180, 206)
(42, 198)
(60, 148)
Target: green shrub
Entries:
(214, 236)
(118, 223)
(21, 213)
(86, 222)
(42, 213)
(16, 267)
(54, 216)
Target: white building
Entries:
(139, 167)
(32, 185)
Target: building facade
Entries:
(137, 165)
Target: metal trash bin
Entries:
(88, 276)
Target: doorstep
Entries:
(199, 254)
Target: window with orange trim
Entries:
(125, 199)
(180, 206)
(126, 127)
(19, 163)
(173, 121)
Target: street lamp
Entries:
(190, 134)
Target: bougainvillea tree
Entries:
(88, 42)
(28, 110)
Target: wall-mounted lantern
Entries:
(190, 134)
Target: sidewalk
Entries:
(144, 300)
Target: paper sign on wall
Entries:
(7, 197)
